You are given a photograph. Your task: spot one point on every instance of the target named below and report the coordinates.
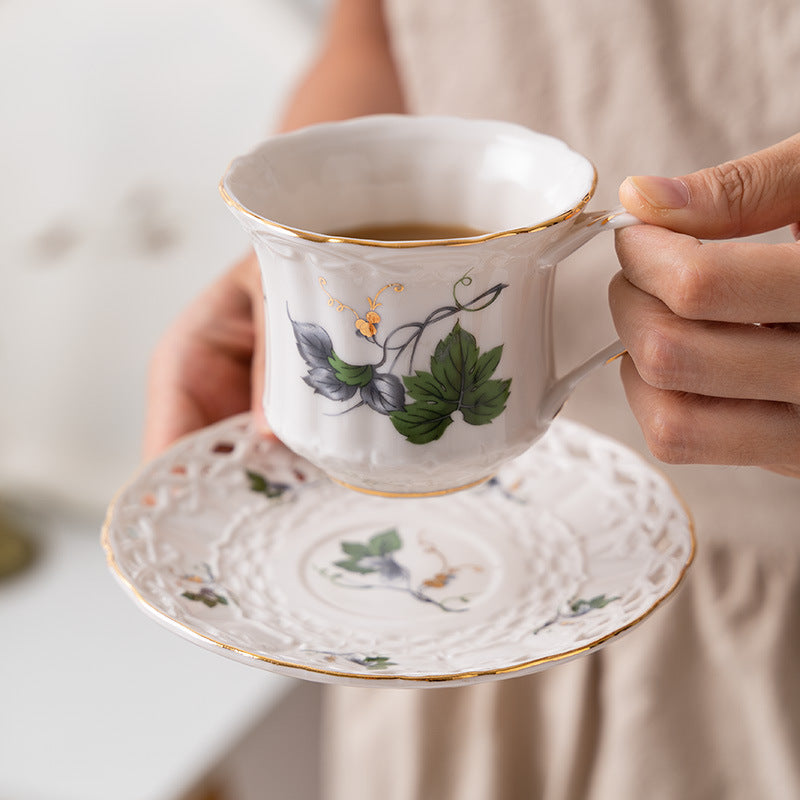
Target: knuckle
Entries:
(658, 359)
(667, 434)
(692, 291)
(736, 186)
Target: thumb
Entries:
(757, 193)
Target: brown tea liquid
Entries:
(409, 232)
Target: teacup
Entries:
(413, 367)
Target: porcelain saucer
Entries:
(239, 545)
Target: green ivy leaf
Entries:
(599, 601)
(454, 360)
(426, 389)
(459, 380)
(382, 544)
(421, 425)
(355, 550)
(377, 662)
(481, 405)
(208, 598)
(350, 374)
(262, 485)
(354, 565)
(258, 483)
(378, 547)
(487, 364)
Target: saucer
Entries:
(239, 545)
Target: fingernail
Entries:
(661, 192)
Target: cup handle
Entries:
(586, 227)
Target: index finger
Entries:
(753, 194)
(743, 282)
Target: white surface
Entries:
(118, 119)
(98, 701)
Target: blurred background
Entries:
(117, 121)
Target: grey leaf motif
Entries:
(313, 344)
(324, 381)
(384, 393)
(386, 567)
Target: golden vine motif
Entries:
(446, 571)
(368, 324)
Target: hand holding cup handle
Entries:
(712, 328)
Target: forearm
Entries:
(353, 75)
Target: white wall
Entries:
(117, 119)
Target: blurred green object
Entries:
(17, 549)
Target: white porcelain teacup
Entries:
(413, 367)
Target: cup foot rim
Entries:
(400, 494)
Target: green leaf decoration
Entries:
(487, 364)
(262, 485)
(421, 425)
(382, 544)
(207, 597)
(376, 662)
(258, 483)
(454, 360)
(430, 393)
(355, 565)
(460, 379)
(356, 549)
(378, 547)
(350, 374)
(481, 405)
(599, 601)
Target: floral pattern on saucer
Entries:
(374, 565)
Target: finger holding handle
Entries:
(712, 326)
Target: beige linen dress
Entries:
(703, 699)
